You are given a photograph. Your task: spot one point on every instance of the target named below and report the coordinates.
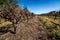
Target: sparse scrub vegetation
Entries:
(21, 24)
(52, 27)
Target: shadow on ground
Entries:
(4, 30)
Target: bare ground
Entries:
(31, 30)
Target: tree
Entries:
(26, 12)
(5, 4)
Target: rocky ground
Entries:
(31, 30)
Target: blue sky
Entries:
(40, 6)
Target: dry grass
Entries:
(5, 24)
(53, 30)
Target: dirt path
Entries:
(31, 30)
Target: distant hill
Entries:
(52, 13)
